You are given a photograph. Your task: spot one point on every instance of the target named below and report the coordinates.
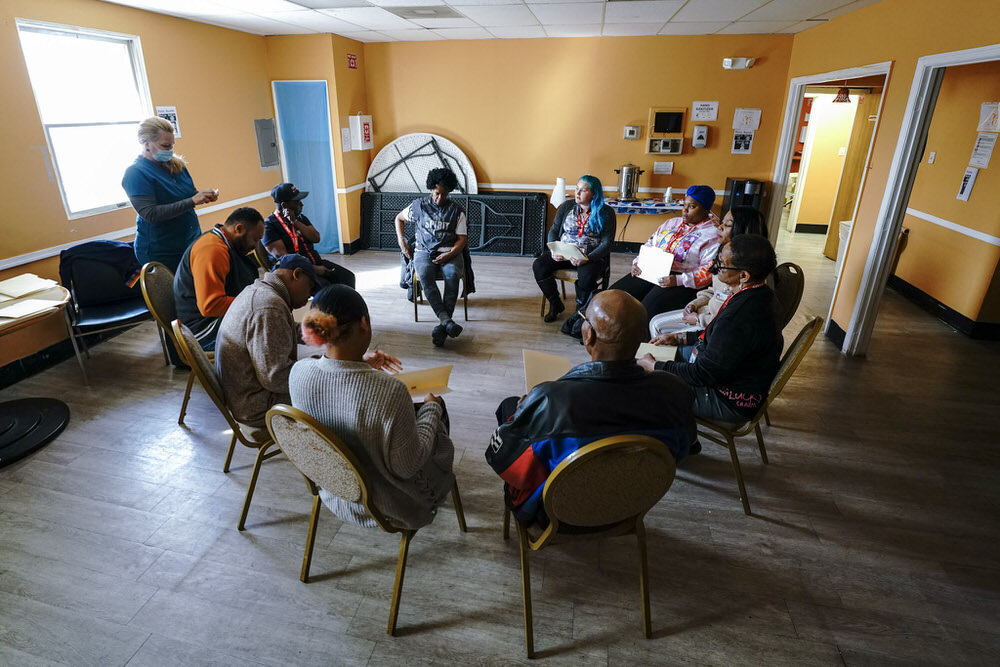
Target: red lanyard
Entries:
(681, 232)
(292, 232)
(726, 303)
(581, 223)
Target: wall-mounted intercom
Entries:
(631, 132)
(665, 146)
(666, 122)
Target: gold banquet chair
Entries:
(195, 357)
(730, 431)
(327, 463)
(604, 489)
(157, 282)
(418, 293)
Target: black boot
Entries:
(551, 292)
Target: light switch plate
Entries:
(932, 157)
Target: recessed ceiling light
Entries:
(435, 12)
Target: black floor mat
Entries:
(28, 424)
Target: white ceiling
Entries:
(374, 20)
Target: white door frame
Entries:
(905, 160)
(786, 146)
(333, 149)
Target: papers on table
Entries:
(27, 307)
(428, 381)
(540, 367)
(659, 352)
(567, 250)
(654, 264)
(24, 284)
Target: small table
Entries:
(58, 295)
(641, 207)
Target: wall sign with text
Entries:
(352, 61)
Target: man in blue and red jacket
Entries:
(609, 395)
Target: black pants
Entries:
(588, 275)
(655, 299)
(335, 275)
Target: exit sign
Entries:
(352, 61)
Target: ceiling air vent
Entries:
(435, 12)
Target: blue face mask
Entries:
(163, 155)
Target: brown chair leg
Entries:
(184, 407)
(739, 473)
(466, 300)
(640, 533)
(416, 299)
(253, 483)
(563, 284)
(229, 454)
(529, 632)
(310, 540)
(459, 512)
(767, 418)
(542, 312)
(397, 588)
(760, 442)
(506, 523)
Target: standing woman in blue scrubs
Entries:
(162, 193)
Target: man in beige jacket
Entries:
(256, 344)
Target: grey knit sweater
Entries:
(407, 454)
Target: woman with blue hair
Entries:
(589, 224)
(693, 239)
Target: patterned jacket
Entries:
(693, 246)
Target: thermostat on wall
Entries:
(631, 132)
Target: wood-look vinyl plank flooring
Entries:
(874, 538)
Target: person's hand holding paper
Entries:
(561, 250)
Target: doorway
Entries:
(302, 112)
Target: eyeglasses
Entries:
(715, 267)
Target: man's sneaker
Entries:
(453, 328)
(438, 335)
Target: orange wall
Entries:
(900, 31)
(528, 111)
(954, 268)
(832, 126)
(215, 77)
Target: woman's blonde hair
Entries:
(149, 132)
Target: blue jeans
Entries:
(429, 272)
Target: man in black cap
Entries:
(287, 231)
(257, 341)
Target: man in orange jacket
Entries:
(214, 270)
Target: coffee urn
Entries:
(628, 181)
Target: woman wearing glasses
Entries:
(703, 308)
(736, 357)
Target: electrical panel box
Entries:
(267, 142)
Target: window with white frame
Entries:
(91, 91)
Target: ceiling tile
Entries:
(464, 33)
(367, 36)
(406, 3)
(629, 29)
(800, 26)
(792, 10)
(462, 3)
(184, 8)
(850, 7)
(519, 32)
(446, 23)
(373, 18)
(308, 18)
(260, 6)
(641, 11)
(498, 15)
(331, 4)
(549, 2)
(413, 35)
(568, 13)
(755, 27)
(591, 30)
(254, 24)
(716, 10)
(699, 28)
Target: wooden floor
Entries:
(875, 538)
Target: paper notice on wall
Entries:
(983, 149)
(746, 120)
(968, 180)
(345, 138)
(704, 111)
(989, 117)
(663, 167)
(742, 143)
(170, 114)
